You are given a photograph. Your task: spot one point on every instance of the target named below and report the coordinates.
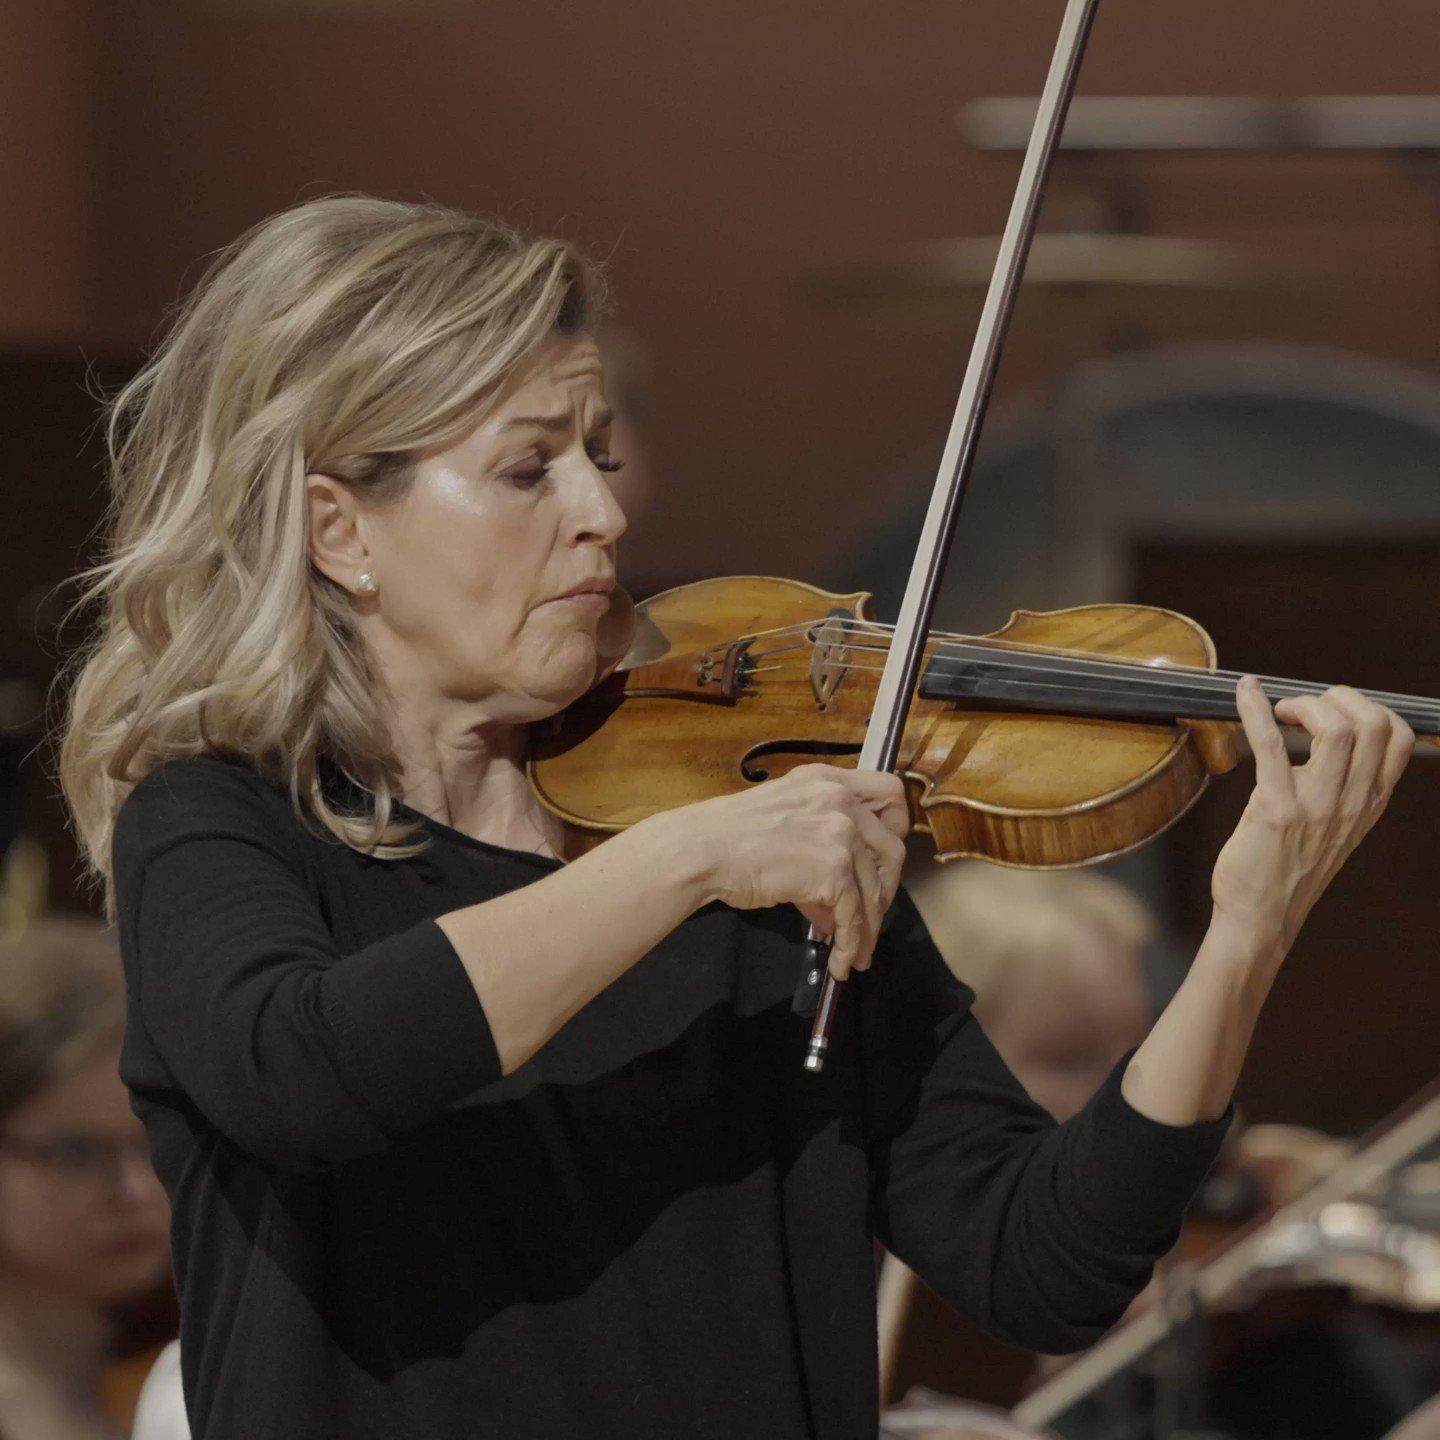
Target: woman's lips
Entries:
(586, 600)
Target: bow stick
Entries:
(897, 682)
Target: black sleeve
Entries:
(1041, 1233)
(299, 1055)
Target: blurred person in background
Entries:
(458, 1135)
(83, 1220)
(1055, 960)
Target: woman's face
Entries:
(482, 566)
(81, 1212)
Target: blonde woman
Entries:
(464, 1141)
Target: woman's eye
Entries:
(534, 474)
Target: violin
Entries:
(1063, 738)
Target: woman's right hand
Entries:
(827, 840)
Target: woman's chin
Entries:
(561, 683)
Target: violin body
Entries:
(729, 682)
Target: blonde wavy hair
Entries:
(345, 336)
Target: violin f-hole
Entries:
(752, 772)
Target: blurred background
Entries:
(1221, 392)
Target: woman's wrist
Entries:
(1245, 943)
(1186, 1069)
(679, 850)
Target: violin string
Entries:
(1121, 670)
(780, 650)
(1116, 668)
(1104, 666)
(1113, 662)
(798, 681)
(1180, 676)
(802, 679)
(1196, 683)
(1108, 659)
(1199, 677)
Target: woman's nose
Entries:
(598, 517)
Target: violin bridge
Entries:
(830, 662)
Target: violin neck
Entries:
(989, 677)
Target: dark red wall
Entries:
(717, 154)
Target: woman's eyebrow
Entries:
(555, 423)
(552, 423)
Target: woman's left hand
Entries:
(1303, 821)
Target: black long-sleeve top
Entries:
(660, 1225)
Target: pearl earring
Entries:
(366, 584)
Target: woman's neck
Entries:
(476, 784)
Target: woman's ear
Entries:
(337, 548)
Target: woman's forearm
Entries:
(1187, 1069)
(1299, 827)
(826, 840)
(537, 955)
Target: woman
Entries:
(463, 1141)
(82, 1218)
